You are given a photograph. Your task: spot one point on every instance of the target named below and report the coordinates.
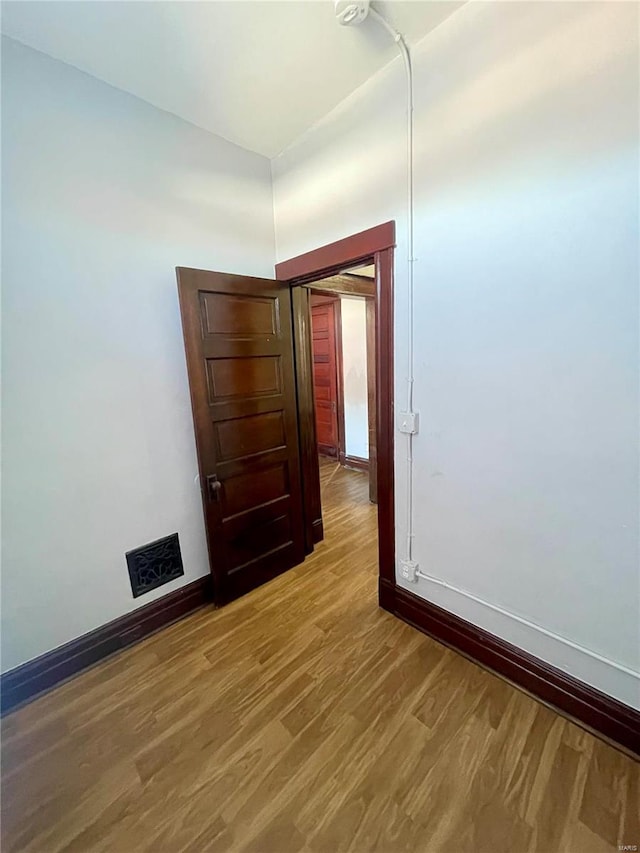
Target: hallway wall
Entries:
(354, 364)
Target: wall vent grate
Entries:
(155, 564)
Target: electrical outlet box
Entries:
(409, 570)
(408, 422)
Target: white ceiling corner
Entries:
(256, 72)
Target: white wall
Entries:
(103, 195)
(526, 314)
(353, 311)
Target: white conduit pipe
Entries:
(529, 624)
(404, 50)
(399, 40)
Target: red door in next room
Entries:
(324, 316)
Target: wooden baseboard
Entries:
(356, 462)
(25, 682)
(597, 711)
(387, 595)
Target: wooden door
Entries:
(324, 316)
(239, 348)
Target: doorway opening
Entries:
(323, 282)
(344, 375)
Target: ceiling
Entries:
(368, 271)
(256, 73)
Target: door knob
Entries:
(213, 486)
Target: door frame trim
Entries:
(330, 259)
(375, 245)
(370, 325)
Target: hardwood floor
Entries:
(303, 718)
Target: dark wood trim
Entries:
(337, 314)
(309, 473)
(387, 595)
(328, 450)
(385, 414)
(584, 704)
(356, 462)
(372, 246)
(370, 306)
(318, 530)
(25, 682)
(331, 259)
(347, 285)
(322, 297)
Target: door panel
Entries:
(253, 489)
(252, 434)
(238, 341)
(243, 377)
(239, 314)
(325, 377)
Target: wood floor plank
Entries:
(605, 809)
(303, 719)
(555, 808)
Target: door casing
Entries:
(375, 245)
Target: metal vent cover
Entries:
(155, 564)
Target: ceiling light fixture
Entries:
(348, 12)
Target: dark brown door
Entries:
(239, 348)
(325, 372)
